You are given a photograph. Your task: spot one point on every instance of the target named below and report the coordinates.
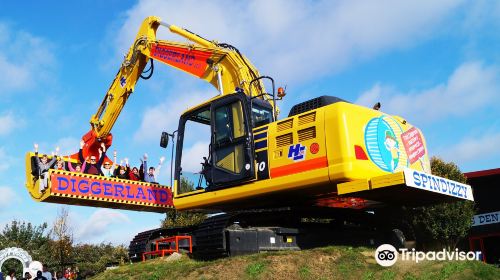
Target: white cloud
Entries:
(6, 160)
(99, 223)
(482, 14)
(193, 156)
(7, 197)
(67, 145)
(474, 148)
(25, 60)
(7, 123)
(165, 116)
(295, 41)
(472, 86)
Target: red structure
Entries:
(484, 235)
(172, 244)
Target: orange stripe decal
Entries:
(299, 167)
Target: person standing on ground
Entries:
(27, 276)
(11, 275)
(46, 273)
(60, 276)
(39, 276)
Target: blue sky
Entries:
(434, 62)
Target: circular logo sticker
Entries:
(386, 255)
(383, 144)
(314, 148)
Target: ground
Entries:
(323, 263)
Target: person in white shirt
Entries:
(60, 276)
(11, 275)
(108, 168)
(46, 273)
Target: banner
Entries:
(428, 182)
(191, 61)
(102, 188)
(414, 145)
(486, 219)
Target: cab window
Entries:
(261, 116)
(229, 127)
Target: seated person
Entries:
(94, 166)
(43, 166)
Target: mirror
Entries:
(164, 140)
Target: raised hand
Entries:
(162, 159)
(145, 157)
(36, 147)
(103, 147)
(114, 153)
(57, 150)
(82, 143)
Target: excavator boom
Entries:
(219, 64)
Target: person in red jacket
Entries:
(133, 174)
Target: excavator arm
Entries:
(221, 65)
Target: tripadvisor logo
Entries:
(387, 255)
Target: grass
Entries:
(336, 262)
(253, 270)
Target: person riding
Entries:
(108, 169)
(151, 174)
(44, 165)
(79, 167)
(94, 165)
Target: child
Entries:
(151, 175)
(79, 167)
(43, 167)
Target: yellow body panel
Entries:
(310, 153)
(349, 125)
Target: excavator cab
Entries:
(228, 123)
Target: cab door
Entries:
(232, 148)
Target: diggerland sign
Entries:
(15, 253)
(89, 186)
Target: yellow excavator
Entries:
(329, 159)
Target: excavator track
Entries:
(210, 238)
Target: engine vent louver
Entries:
(284, 140)
(284, 125)
(308, 118)
(307, 134)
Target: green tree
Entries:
(181, 219)
(91, 259)
(62, 235)
(444, 223)
(34, 239)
